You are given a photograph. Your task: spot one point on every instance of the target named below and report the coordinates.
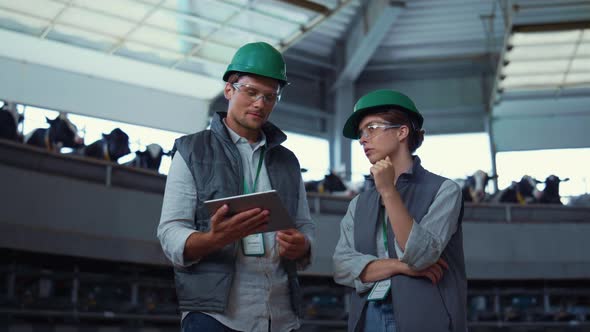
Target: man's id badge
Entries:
(253, 245)
(380, 290)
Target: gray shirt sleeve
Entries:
(429, 238)
(349, 263)
(178, 211)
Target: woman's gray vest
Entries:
(216, 166)
(418, 305)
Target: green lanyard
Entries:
(246, 189)
(385, 233)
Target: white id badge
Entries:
(253, 245)
(380, 290)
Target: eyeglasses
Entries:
(371, 130)
(255, 94)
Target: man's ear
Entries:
(228, 90)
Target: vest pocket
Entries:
(416, 298)
(202, 290)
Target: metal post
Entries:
(75, 287)
(316, 205)
(490, 131)
(546, 302)
(508, 210)
(109, 175)
(11, 282)
(134, 294)
(505, 6)
(497, 302)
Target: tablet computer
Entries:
(268, 200)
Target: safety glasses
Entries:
(373, 129)
(254, 94)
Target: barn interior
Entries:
(504, 86)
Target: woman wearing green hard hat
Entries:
(231, 274)
(401, 245)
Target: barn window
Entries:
(313, 154)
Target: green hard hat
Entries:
(260, 59)
(374, 102)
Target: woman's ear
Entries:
(403, 132)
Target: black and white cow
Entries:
(9, 121)
(474, 187)
(62, 133)
(550, 195)
(111, 147)
(522, 192)
(151, 158)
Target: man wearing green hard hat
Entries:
(230, 274)
(401, 245)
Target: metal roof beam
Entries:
(365, 36)
(309, 5)
(54, 20)
(439, 38)
(442, 50)
(307, 58)
(432, 64)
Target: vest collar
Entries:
(237, 138)
(415, 171)
(274, 136)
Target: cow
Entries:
(111, 147)
(521, 192)
(62, 133)
(473, 188)
(550, 195)
(150, 158)
(314, 186)
(9, 121)
(331, 183)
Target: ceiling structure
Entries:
(464, 61)
(547, 57)
(193, 39)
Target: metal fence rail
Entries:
(115, 175)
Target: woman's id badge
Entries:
(253, 245)
(380, 290)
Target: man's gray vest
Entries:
(418, 305)
(216, 166)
